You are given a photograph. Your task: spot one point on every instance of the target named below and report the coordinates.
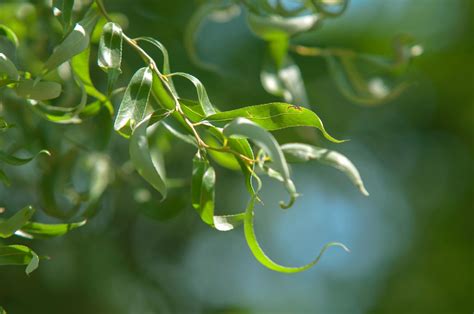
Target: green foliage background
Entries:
(411, 240)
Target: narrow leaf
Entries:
(12, 224)
(62, 9)
(19, 255)
(110, 52)
(274, 116)
(80, 66)
(17, 161)
(260, 254)
(297, 152)
(4, 178)
(8, 70)
(36, 230)
(145, 165)
(203, 189)
(133, 107)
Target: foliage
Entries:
(239, 140)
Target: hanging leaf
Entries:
(12, 224)
(242, 127)
(19, 255)
(8, 42)
(149, 168)
(203, 99)
(203, 189)
(297, 152)
(36, 230)
(133, 107)
(110, 53)
(42, 90)
(274, 116)
(260, 254)
(80, 66)
(75, 42)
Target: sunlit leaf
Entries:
(42, 90)
(17, 161)
(8, 42)
(260, 254)
(149, 168)
(62, 9)
(203, 189)
(75, 42)
(297, 152)
(274, 116)
(18, 220)
(36, 230)
(19, 255)
(133, 107)
(110, 52)
(80, 66)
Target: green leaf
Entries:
(12, 224)
(242, 127)
(80, 66)
(19, 255)
(149, 168)
(8, 70)
(75, 42)
(203, 189)
(297, 152)
(42, 90)
(62, 9)
(203, 99)
(110, 53)
(36, 230)
(285, 81)
(260, 254)
(274, 116)
(133, 107)
(166, 62)
(9, 34)
(2, 310)
(4, 178)
(16, 161)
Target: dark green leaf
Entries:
(4, 178)
(41, 90)
(19, 255)
(16, 161)
(110, 52)
(274, 116)
(133, 107)
(12, 224)
(8, 70)
(62, 9)
(151, 169)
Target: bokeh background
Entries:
(411, 241)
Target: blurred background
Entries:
(411, 241)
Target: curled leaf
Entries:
(12, 224)
(36, 230)
(19, 255)
(17, 161)
(203, 189)
(297, 152)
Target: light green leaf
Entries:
(2, 310)
(8, 70)
(285, 81)
(19, 255)
(62, 9)
(9, 34)
(42, 90)
(110, 52)
(12, 224)
(297, 152)
(36, 230)
(149, 168)
(133, 107)
(260, 254)
(274, 116)
(75, 42)
(242, 127)
(203, 189)
(203, 99)
(17, 161)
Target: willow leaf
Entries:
(133, 107)
(8, 70)
(4, 178)
(110, 52)
(42, 90)
(19, 255)
(36, 230)
(141, 158)
(17, 161)
(62, 9)
(297, 152)
(12, 224)
(80, 66)
(274, 116)
(203, 189)
(260, 254)
(271, 27)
